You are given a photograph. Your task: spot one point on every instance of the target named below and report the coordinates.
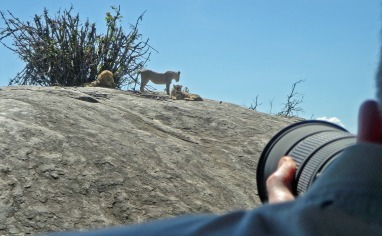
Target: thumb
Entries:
(369, 123)
(279, 184)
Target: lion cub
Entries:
(178, 94)
(104, 79)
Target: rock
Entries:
(84, 158)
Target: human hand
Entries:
(279, 184)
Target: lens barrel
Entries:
(312, 144)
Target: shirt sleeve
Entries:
(353, 183)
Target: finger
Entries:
(279, 184)
(369, 123)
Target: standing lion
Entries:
(158, 78)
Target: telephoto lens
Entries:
(312, 144)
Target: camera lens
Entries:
(313, 145)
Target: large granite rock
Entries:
(80, 158)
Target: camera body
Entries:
(312, 144)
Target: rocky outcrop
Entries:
(80, 158)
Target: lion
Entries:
(158, 78)
(178, 94)
(104, 79)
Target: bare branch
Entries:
(271, 105)
(294, 99)
(255, 104)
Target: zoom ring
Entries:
(319, 159)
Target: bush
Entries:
(62, 51)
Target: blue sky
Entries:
(232, 51)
